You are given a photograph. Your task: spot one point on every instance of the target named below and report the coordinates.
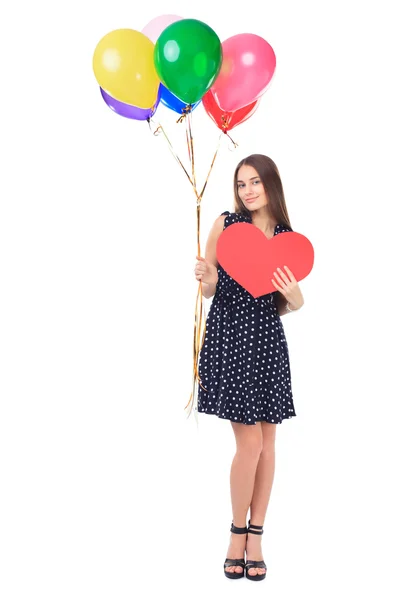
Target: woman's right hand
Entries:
(205, 271)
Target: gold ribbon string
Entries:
(191, 152)
(235, 145)
(211, 166)
(199, 322)
(198, 327)
(199, 308)
(156, 132)
(225, 124)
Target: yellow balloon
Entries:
(123, 65)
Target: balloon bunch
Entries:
(182, 63)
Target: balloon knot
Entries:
(185, 110)
(225, 123)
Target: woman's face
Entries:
(250, 188)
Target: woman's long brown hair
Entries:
(271, 180)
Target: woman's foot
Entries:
(236, 550)
(254, 552)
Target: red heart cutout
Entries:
(250, 258)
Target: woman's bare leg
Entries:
(262, 492)
(242, 477)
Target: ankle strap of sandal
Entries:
(235, 529)
(259, 527)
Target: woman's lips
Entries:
(250, 200)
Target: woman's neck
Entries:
(264, 222)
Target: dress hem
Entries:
(253, 422)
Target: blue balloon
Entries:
(171, 101)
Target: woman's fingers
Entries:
(200, 267)
(291, 276)
(283, 275)
(277, 286)
(278, 279)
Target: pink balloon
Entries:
(247, 68)
(156, 26)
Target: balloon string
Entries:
(199, 308)
(156, 132)
(199, 323)
(199, 319)
(235, 145)
(189, 122)
(211, 166)
(199, 326)
(188, 147)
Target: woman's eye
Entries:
(240, 185)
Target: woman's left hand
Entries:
(287, 285)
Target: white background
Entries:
(106, 487)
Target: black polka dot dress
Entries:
(244, 361)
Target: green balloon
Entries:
(188, 58)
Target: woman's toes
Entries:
(234, 569)
(256, 571)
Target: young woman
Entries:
(244, 361)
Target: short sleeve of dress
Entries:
(227, 215)
(282, 228)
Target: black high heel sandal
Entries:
(235, 562)
(259, 564)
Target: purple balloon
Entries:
(128, 110)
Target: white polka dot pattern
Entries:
(244, 361)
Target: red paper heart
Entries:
(250, 258)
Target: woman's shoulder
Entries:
(237, 217)
(229, 218)
(234, 216)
